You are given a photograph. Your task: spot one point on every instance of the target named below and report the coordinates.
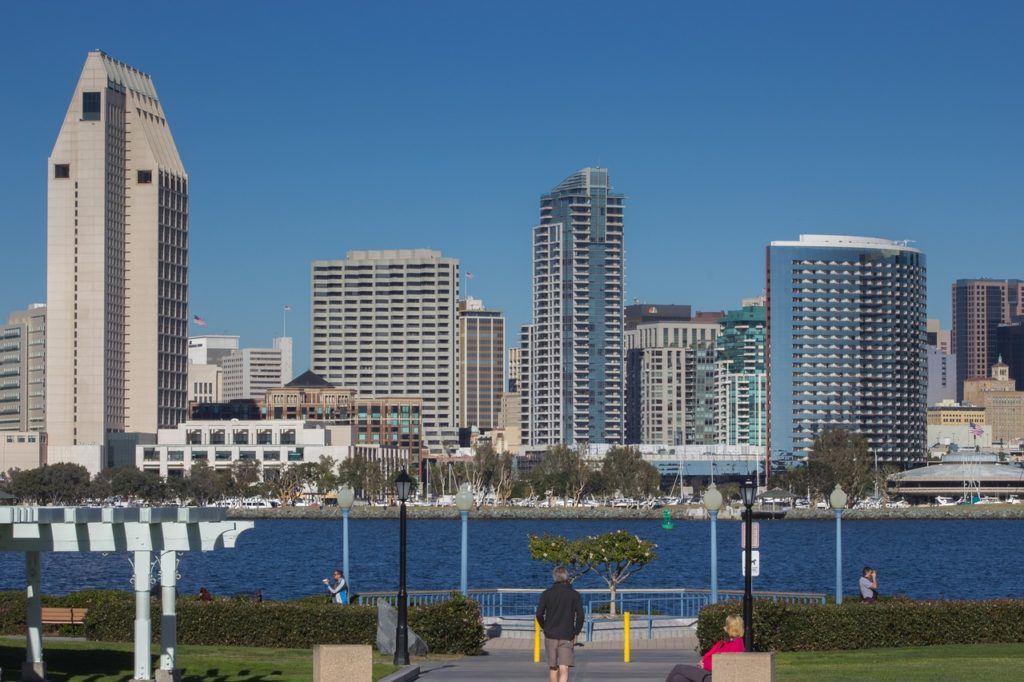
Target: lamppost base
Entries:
(173, 675)
(33, 672)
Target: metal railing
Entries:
(647, 604)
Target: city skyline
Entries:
(860, 142)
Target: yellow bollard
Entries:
(625, 635)
(536, 641)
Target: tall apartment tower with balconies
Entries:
(385, 324)
(117, 266)
(573, 351)
(846, 345)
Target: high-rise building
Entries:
(979, 307)
(514, 367)
(117, 266)
(846, 345)
(573, 350)
(741, 404)
(1010, 347)
(23, 370)
(1003, 403)
(248, 373)
(941, 375)
(939, 337)
(670, 383)
(284, 345)
(481, 364)
(385, 324)
(209, 349)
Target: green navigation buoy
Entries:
(666, 520)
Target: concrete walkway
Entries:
(652, 665)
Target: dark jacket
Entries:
(560, 612)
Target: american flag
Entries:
(198, 321)
(287, 307)
(976, 430)
(469, 275)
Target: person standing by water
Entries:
(560, 615)
(868, 584)
(339, 589)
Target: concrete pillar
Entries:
(143, 632)
(168, 618)
(33, 669)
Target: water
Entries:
(921, 559)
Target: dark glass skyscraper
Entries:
(846, 345)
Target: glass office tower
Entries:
(846, 345)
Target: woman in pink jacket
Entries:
(702, 671)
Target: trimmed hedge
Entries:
(857, 625)
(450, 627)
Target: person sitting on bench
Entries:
(702, 671)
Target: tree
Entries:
(613, 556)
(563, 472)
(204, 484)
(840, 457)
(322, 475)
(625, 470)
(245, 473)
(53, 484)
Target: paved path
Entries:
(592, 664)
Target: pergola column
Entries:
(143, 632)
(168, 618)
(34, 669)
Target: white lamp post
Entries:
(713, 502)
(464, 501)
(837, 500)
(346, 498)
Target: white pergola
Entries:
(140, 532)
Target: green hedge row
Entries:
(856, 625)
(450, 627)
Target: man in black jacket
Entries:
(560, 614)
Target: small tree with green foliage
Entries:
(613, 556)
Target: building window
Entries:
(145, 177)
(90, 106)
(61, 171)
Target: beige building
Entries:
(205, 384)
(117, 266)
(670, 383)
(1004, 405)
(506, 435)
(481, 364)
(952, 413)
(248, 373)
(22, 450)
(515, 365)
(385, 324)
(23, 370)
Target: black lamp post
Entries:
(403, 488)
(748, 491)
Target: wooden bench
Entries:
(64, 616)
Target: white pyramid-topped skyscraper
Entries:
(117, 267)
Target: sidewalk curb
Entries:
(406, 674)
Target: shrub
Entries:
(450, 627)
(12, 613)
(856, 625)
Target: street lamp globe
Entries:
(748, 491)
(403, 485)
(346, 497)
(837, 500)
(712, 498)
(464, 499)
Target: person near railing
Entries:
(733, 643)
(561, 617)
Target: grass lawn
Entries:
(112, 662)
(989, 662)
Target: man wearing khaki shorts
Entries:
(560, 614)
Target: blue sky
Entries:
(310, 129)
